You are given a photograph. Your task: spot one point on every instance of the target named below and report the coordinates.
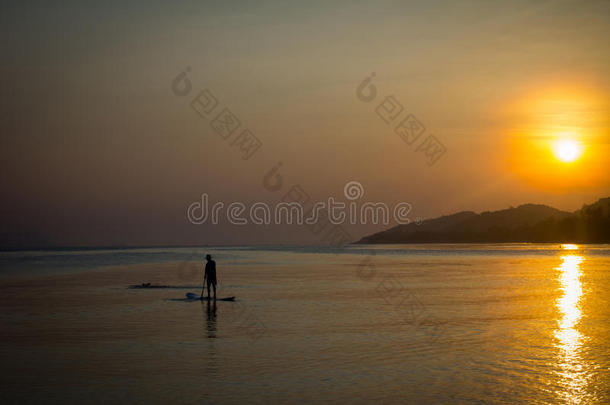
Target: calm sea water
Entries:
(517, 323)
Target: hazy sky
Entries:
(98, 150)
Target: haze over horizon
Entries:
(98, 150)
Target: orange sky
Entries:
(97, 150)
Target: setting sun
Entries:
(559, 141)
(567, 150)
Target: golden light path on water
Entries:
(573, 370)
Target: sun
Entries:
(556, 136)
(567, 150)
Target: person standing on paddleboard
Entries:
(209, 275)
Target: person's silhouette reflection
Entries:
(211, 319)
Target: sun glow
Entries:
(567, 150)
(558, 141)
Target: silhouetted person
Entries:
(210, 275)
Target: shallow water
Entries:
(396, 324)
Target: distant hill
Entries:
(526, 223)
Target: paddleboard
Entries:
(193, 296)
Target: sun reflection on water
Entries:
(573, 378)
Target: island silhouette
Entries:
(525, 223)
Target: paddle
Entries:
(203, 286)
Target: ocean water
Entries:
(506, 324)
